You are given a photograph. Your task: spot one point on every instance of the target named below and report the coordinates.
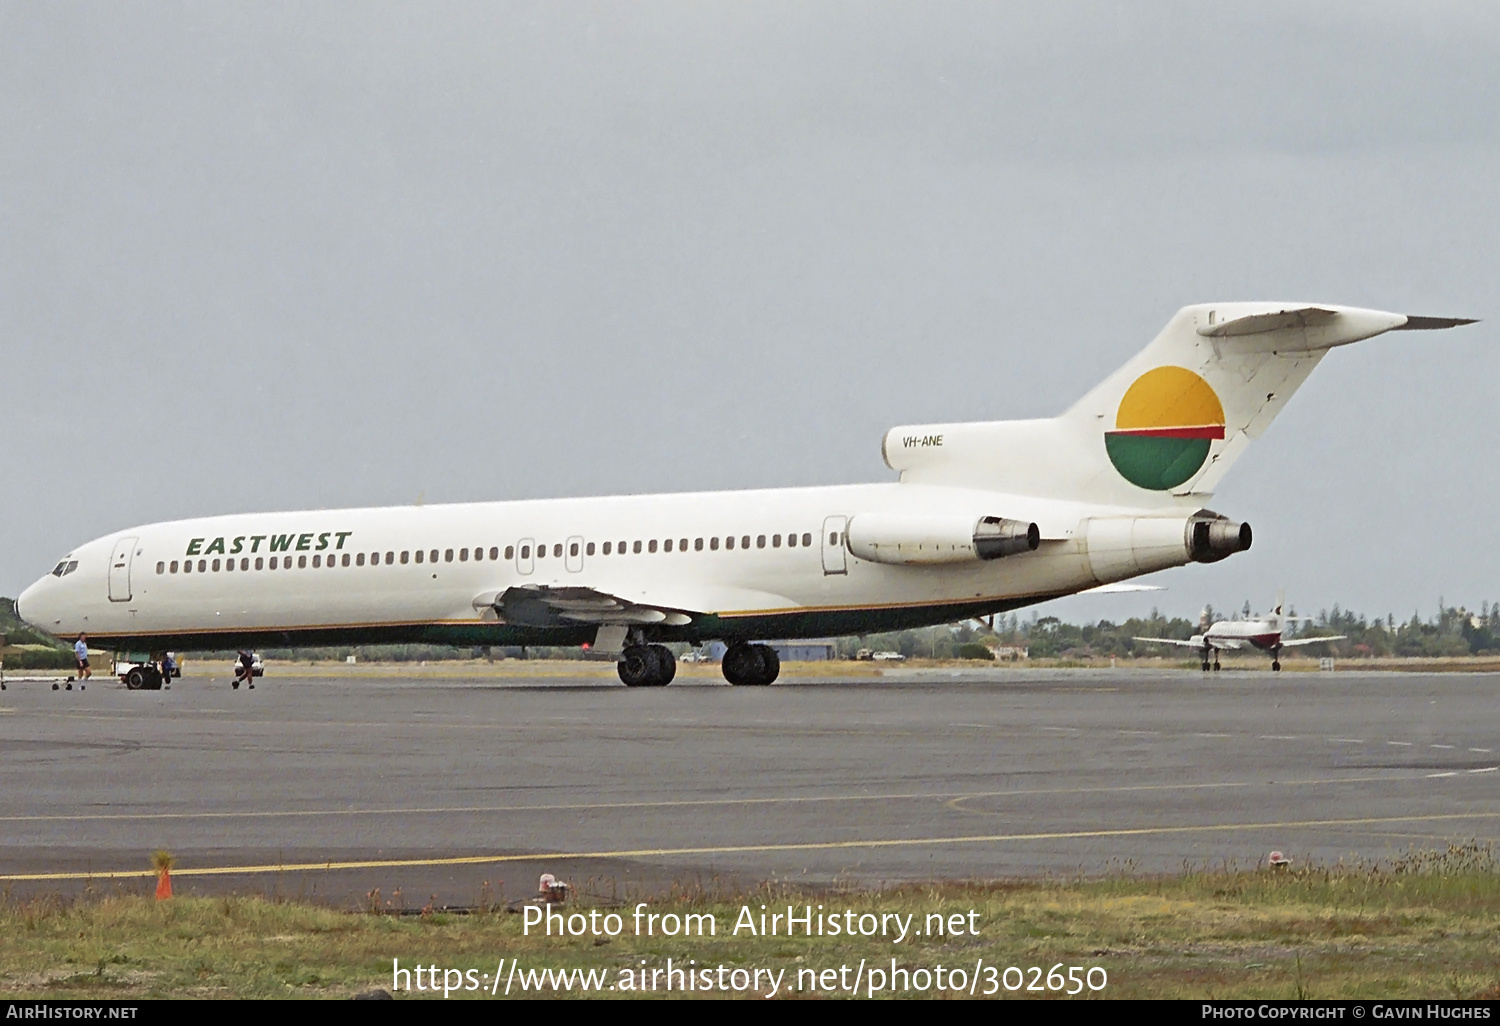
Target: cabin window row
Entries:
(245, 563)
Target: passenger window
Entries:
(833, 538)
(510, 552)
(791, 541)
(463, 556)
(317, 562)
(345, 560)
(573, 549)
(807, 539)
(174, 566)
(432, 556)
(697, 544)
(775, 541)
(260, 562)
(729, 542)
(589, 550)
(301, 562)
(745, 541)
(390, 557)
(681, 544)
(187, 566)
(359, 560)
(419, 555)
(161, 567)
(636, 548)
(216, 566)
(667, 545)
(228, 564)
(525, 551)
(447, 555)
(557, 550)
(274, 561)
(245, 563)
(203, 566)
(541, 552)
(651, 545)
(495, 552)
(607, 547)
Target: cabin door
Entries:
(119, 570)
(833, 545)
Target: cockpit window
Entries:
(64, 568)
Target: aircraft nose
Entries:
(29, 606)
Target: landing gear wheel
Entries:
(1205, 666)
(637, 666)
(1216, 666)
(772, 663)
(54, 685)
(750, 665)
(135, 680)
(666, 665)
(1276, 665)
(69, 687)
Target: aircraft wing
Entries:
(541, 605)
(1312, 641)
(1171, 641)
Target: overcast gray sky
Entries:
(264, 256)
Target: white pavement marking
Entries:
(1347, 740)
(1400, 744)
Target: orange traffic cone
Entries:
(163, 861)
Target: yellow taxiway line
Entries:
(729, 849)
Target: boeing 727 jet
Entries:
(984, 518)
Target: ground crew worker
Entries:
(81, 654)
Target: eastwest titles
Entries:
(309, 541)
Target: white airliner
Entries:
(1262, 632)
(986, 517)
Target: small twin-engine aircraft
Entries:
(985, 518)
(1264, 633)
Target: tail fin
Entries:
(1163, 429)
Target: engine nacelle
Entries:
(1121, 547)
(912, 540)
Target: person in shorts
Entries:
(81, 654)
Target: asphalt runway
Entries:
(437, 786)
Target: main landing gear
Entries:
(1276, 659)
(143, 678)
(647, 666)
(750, 664)
(1205, 659)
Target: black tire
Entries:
(1276, 666)
(135, 680)
(666, 665)
(743, 664)
(54, 685)
(153, 679)
(770, 665)
(637, 667)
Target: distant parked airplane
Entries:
(1264, 633)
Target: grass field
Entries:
(1427, 926)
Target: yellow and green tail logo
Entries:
(1166, 423)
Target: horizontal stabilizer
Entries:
(1256, 324)
(1434, 323)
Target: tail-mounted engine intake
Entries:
(903, 540)
(1211, 537)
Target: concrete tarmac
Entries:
(441, 787)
